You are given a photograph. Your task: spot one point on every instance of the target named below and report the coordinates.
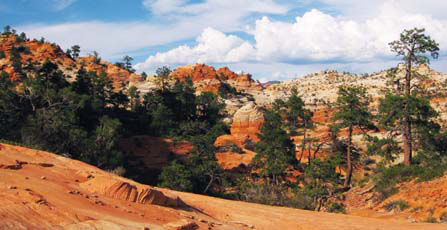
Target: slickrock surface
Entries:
(40, 190)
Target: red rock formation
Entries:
(40, 52)
(247, 122)
(206, 78)
(124, 190)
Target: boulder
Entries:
(247, 122)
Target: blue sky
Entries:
(272, 39)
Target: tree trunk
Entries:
(407, 139)
(406, 129)
(348, 160)
(303, 144)
(209, 184)
(309, 156)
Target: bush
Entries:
(425, 168)
(431, 219)
(336, 208)
(276, 195)
(119, 171)
(443, 217)
(398, 205)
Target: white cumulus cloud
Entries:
(313, 37)
(213, 47)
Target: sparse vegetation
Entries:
(397, 205)
(336, 207)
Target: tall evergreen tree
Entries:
(76, 49)
(162, 75)
(352, 113)
(128, 63)
(412, 46)
(275, 150)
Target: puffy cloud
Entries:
(313, 37)
(319, 36)
(213, 47)
(111, 40)
(172, 21)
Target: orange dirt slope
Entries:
(40, 190)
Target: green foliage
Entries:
(275, 149)
(96, 57)
(427, 166)
(7, 30)
(430, 219)
(352, 112)
(162, 75)
(410, 107)
(199, 172)
(336, 207)
(393, 108)
(320, 180)
(144, 76)
(75, 50)
(386, 147)
(2, 54)
(398, 205)
(177, 176)
(134, 98)
(413, 44)
(443, 217)
(128, 63)
(103, 151)
(352, 103)
(11, 108)
(296, 111)
(271, 194)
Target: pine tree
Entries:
(275, 150)
(76, 49)
(412, 46)
(352, 113)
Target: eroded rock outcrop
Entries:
(33, 51)
(125, 190)
(206, 78)
(247, 122)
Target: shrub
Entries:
(424, 169)
(269, 194)
(431, 219)
(398, 205)
(336, 208)
(119, 171)
(443, 217)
